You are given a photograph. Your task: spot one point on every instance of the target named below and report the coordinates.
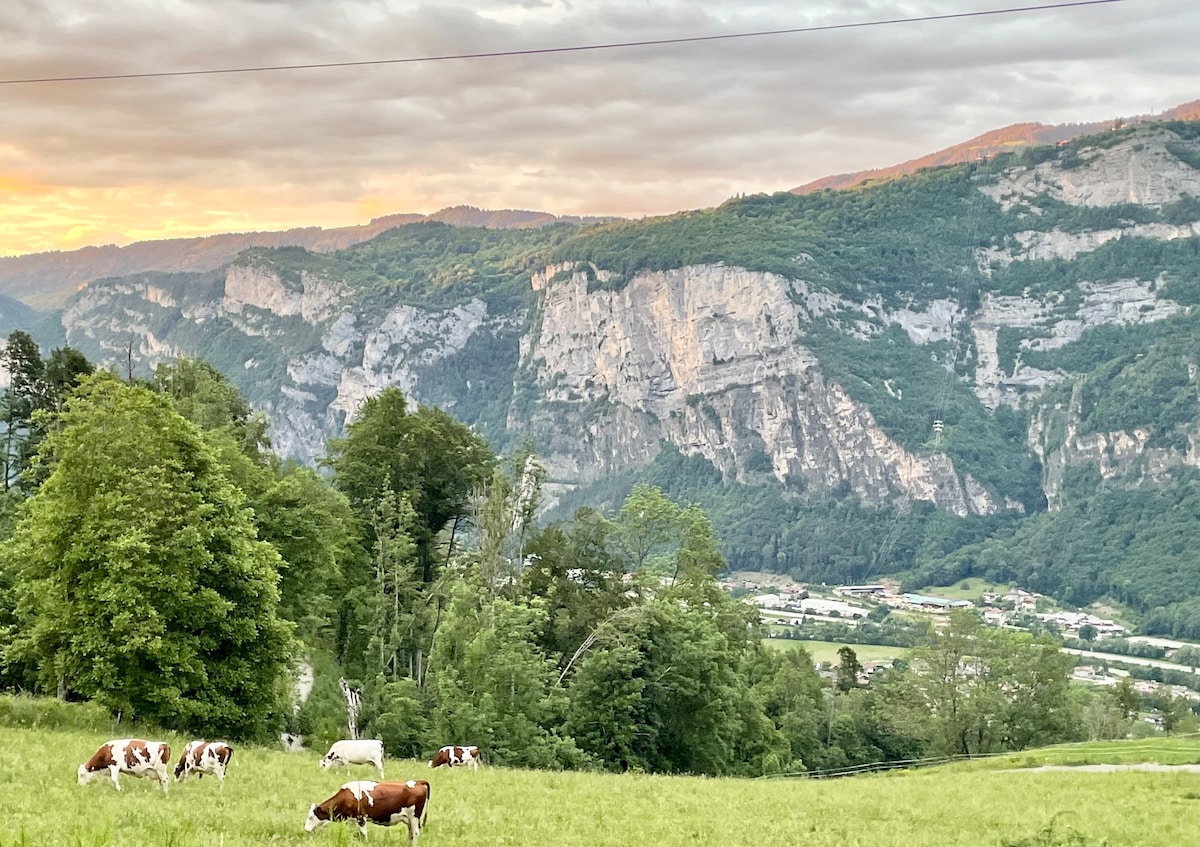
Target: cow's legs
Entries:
(112, 772)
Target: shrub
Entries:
(27, 712)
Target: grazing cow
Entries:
(383, 803)
(452, 756)
(133, 756)
(204, 757)
(355, 752)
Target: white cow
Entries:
(133, 756)
(355, 752)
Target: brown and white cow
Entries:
(133, 756)
(383, 803)
(204, 757)
(451, 756)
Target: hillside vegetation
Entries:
(1062, 524)
(267, 795)
(161, 563)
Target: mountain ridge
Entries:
(985, 346)
(1003, 140)
(45, 280)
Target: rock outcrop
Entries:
(709, 359)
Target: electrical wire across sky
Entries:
(617, 45)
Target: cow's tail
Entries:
(425, 808)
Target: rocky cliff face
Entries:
(709, 359)
(1141, 170)
(1054, 435)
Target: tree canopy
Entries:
(141, 582)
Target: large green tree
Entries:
(140, 582)
(992, 689)
(409, 477)
(308, 522)
(426, 455)
(572, 567)
(658, 684)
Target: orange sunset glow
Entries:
(125, 121)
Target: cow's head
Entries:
(84, 775)
(329, 759)
(316, 817)
(181, 768)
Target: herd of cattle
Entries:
(361, 801)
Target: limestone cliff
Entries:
(710, 359)
(1054, 434)
(766, 374)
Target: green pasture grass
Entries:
(1163, 750)
(966, 589)
(827, 651)
(267, 794)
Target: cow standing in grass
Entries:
(451, 756)
(133, 756)
(204, 757)
(382, 803)
(355, 752)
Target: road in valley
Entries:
(1132, 660)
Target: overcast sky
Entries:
(638, 131)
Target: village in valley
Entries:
(823, 618)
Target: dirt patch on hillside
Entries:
(1140, 766)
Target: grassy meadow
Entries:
(966, 589)
(827, 651)
(267, 794)
(1162, 750)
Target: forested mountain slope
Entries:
(46, 280)
(854, 382)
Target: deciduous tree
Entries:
(141, 583)
(436, 461)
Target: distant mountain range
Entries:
(1004, 140)
(46, 280)
(835, 377)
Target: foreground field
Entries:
(267, 794)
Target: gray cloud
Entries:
(633, 131)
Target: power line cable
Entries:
(616, 45)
